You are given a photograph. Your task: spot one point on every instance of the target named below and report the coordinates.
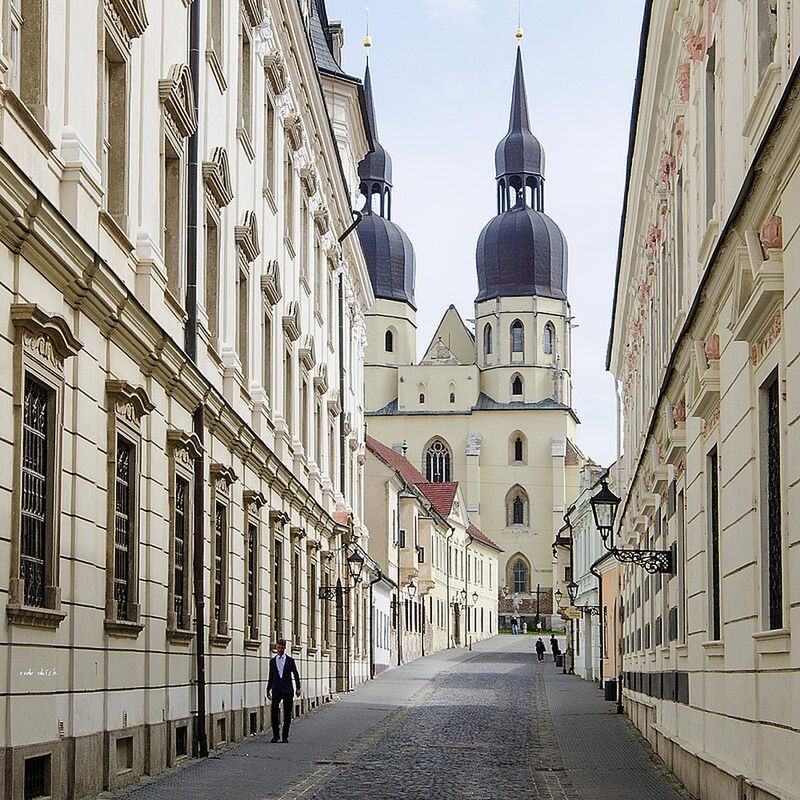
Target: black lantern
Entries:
(572, 591)
(412, 590)
(355, 563)
(604, 507)
(464, 596)
(474, 598)
(559, 595)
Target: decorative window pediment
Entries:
(347, 426)
(296, 532)
(47, 337)
(246, 236)
(177, 96)
(291, 322)
(217, 177)
(186, 447)
(676, 438)
(334, 407)
(278, 518)
(253, 499)
(756, 317)
(271, 283)
(130, 403)
(222, 476)
(275, 69)
(131, 14)
(307, 355)
(293, 127)
(321, 379)
(706, 376)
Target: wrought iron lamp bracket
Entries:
(652, 561)
(329, 592)
(592, 611)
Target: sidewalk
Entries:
(256, 768)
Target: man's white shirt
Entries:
(280, 662)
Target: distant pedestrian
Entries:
(280, 690)
(554, 647)
(540, 649)
(514, 626)
(524, 627)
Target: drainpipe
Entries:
(200, 737)
(593, 570)
(377, 579)
(198, 422)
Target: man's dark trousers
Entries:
(288, 702)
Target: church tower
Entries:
(522, 314)
(392, 321)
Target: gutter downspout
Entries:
(593, 570)
(198, 419)
(377, 579)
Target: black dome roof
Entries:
(390, 258)
(521, 252)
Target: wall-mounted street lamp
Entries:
(604, 508)
(355, 566)
(412, 590)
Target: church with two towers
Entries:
(489, 407)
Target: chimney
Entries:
(337, 39)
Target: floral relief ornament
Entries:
(712, 348)
(683, 81)
(771, 234)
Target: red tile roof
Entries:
(481, 537)
(441, 495)
(395, 461)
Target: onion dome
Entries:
(521, 251)
(387, 249)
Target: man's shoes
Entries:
(274, 739)
(285, 740)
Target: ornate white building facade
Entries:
(704, 345)
(490, 410)
(182, 335)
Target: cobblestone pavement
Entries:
(454, 726)
(502, 725)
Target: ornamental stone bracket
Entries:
(308, 179)
(275, 70)
(297, 533)
(217, 177)
(48, 338)
(129, 402)
(130, 15)
(307, 353)
(271, 283)
(278, 519)
(293, 127)
(254, 12)
(177, 96)
(707, 369)
(322, 219)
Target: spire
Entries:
(519, 158)
(375, 169)
(520, 120)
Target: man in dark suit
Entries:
(280, 690)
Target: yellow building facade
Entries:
(489, 407)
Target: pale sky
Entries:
(442, 73)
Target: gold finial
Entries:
(367, 37)
(520, 33)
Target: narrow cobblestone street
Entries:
(492, 722)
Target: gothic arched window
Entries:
(517, 337)
(516, 386)
(520, 578)
(518, 449)
(388, 342)
(437, 462)
(487, 340)
(517, 507)
(549, 339)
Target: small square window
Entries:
(181, 741)
(37, 777)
